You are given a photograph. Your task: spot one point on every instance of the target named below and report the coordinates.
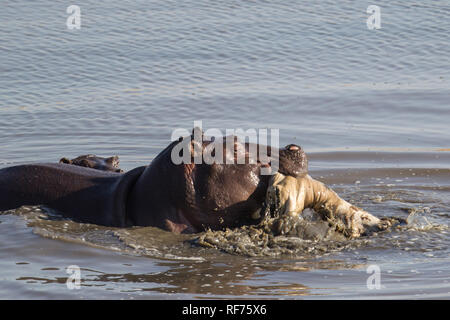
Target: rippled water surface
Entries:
(370, 107)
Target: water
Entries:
(370, 107)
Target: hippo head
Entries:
(293, 161)
(94, 162)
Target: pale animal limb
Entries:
(289, 196)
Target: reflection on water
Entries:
(221, 278)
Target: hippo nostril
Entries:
(293, 147)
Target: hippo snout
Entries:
(293, 161)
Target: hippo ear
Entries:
(65, 160)
(112, 160)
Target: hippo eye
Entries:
(65, 160)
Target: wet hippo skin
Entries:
(176, 197)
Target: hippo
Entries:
(182, 198)
(95, 162)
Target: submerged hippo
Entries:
(94, 162)
(184, 197)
